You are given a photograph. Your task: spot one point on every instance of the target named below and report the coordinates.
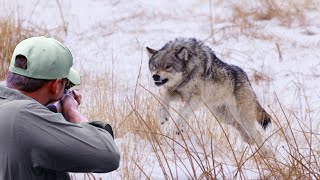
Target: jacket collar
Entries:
(12, 94)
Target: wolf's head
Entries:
(168, 65)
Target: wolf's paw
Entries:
(163, 119)
(179, 132)
(163, 116)
(181, 129)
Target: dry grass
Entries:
(10, 35)
(208, 149)
(286, 13)
(13, 30)
(249, 18)
(202, 152)
(150, 151)
(259, 77)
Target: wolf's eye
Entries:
(168, 67)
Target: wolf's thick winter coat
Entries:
(189, 71)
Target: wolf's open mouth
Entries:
(159, 83)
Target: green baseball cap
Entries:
(47, 59)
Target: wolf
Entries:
(189, 71)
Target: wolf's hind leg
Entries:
(228, 114)
(258, 139)
(248, 120)
(245, 135)
(254, 133)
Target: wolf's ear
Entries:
(182, 54)
(151, 52)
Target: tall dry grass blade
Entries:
(64, 24)
(154, 147)
(141, 169)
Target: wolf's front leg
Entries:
(163, 114)
(184, 112)
(163, 111)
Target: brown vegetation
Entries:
(208, 150)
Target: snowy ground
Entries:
(113, 34)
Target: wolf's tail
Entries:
(263, 117)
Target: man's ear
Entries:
(182, 54)
(54, 86)
(151, 52)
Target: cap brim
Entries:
(74, 77)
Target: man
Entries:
(36, 143)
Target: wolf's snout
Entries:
(156, 77)
(158, 80)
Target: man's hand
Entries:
(77, 96)
(70, 103)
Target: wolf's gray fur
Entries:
(190, 71)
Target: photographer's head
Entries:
(41, 66)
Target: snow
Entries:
(112, 35)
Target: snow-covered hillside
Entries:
(281, 54)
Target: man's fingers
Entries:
(77, 96)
